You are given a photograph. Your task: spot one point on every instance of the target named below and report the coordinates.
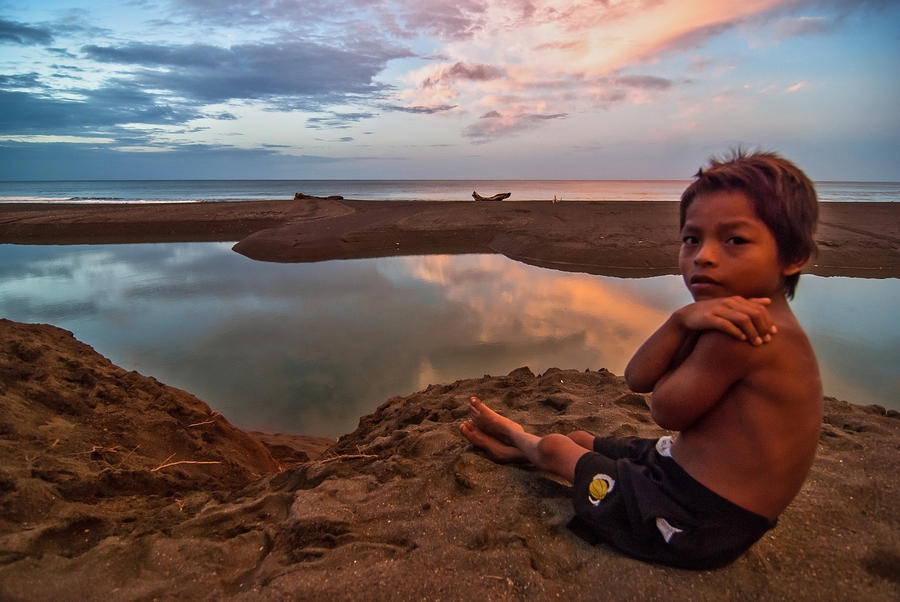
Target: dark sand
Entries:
(116, 487)
(611, 238)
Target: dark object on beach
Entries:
(496, 197)
(299, 196)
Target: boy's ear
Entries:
(794, 268)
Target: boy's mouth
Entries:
(702, 285)
(703, 280)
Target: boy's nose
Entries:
(706, 254)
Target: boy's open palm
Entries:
(745, 319)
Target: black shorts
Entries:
(642, 502)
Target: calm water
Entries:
(308, 348)
(440, 190)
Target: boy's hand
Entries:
(744, 319)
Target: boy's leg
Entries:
(507, 441)
(497, 450)
(583, 438)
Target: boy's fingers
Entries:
(754, 325)
(759, 328)
(744, 319)
(728, 327)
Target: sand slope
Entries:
(400, 509)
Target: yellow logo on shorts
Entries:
(599, 488)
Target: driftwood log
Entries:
(496, 197)
(299, 196)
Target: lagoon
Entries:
(309, 348)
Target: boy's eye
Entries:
(738, 240)
(689, 240)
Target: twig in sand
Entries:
(96, 448)
(210, 421)
(52, 445)
(347, 457)
(161, 466)
(131, 452)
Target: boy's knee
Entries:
(582, 438)
(553, 445)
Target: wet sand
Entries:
(611, 238)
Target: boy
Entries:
(732, 372)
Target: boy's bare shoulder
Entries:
(789, 335)
(778, 366)
(717, 350)
(784, 368)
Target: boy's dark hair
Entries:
(783, 198)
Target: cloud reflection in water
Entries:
(308, 348)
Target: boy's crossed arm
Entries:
(688, 373)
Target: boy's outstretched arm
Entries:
(743, 319)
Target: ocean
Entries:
(163, 191)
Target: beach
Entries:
(630, 239)
(114, 485)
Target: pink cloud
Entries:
(494, 123)
(527, 63)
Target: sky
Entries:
(429, 89)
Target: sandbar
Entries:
(615, 238)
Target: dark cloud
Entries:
(448, 20)
(29, 161)
(21, 80)
(155, 55)
(419, 110)
(25, 35)
(223, 116)
(115, 104)
(493, 124)
(474, 72)
(350, 19)
(293, 75)
(461, 71)
(249, 12)
(168, 84)
(337, 120)
(650, 82)
(63, 52)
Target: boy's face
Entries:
(726, 250)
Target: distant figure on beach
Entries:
(733, 373)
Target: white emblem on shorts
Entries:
(667, 530)
(601, 485)
(664, 446)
